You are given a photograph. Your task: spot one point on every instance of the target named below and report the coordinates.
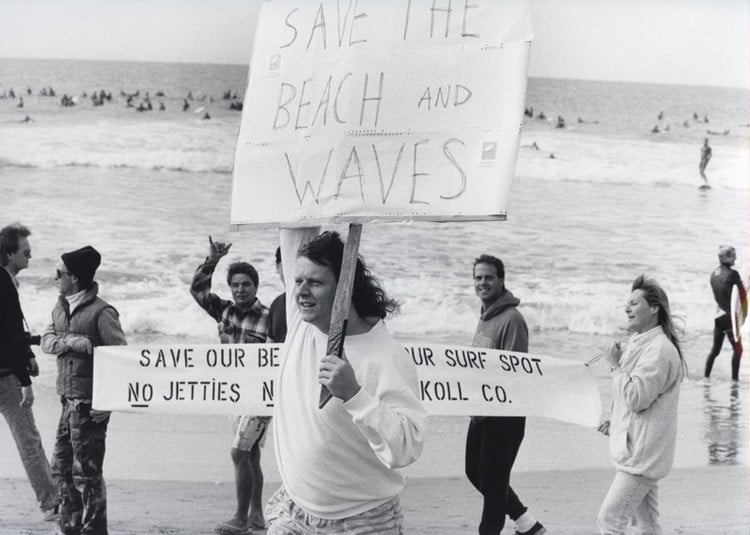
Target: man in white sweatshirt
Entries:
(339, 464)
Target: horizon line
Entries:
(229, 63)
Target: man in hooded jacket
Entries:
(492, 443)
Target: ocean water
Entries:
(147, 189)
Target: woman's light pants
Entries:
(631, 501)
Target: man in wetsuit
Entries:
(722, 280)
(705, 157)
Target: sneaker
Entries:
(52, 514)
(536, 529)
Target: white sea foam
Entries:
(587, 158)
(614, 202)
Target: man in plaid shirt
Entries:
(242, 321)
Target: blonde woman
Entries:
(646, 378)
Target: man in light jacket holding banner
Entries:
(81, 321)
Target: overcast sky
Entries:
(695, 42)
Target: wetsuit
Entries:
(722, 280)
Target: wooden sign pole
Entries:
(342, 301)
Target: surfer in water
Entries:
(705, 157)
(722, 280)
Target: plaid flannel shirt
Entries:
(246, 325)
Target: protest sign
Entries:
(473, 381)
(240, 379)
(187, 379)
(362, 110)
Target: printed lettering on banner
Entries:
(240, 379)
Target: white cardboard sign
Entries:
(363, 110)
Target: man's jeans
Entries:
(631, 500)
(29, 443)
(287, 518)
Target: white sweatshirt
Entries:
(340, 461)
(646, 391)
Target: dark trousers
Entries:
(77, 470)
(723, 326)
(491, 448)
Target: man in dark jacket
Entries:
(17, 366)
(80, 322)
(492, 443)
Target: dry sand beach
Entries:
(566, 501)
(172, 474)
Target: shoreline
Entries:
(566, 502)
(165, 447)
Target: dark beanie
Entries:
(83, 263)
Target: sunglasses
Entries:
(59, 273)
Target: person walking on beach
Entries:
(492, 443)
(705, 157)
(642, 430)
(81, 321)
(17, 366)
(245, 320)
(723, 279)
(338, 464)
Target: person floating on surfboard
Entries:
(705, 157)
(723, 279)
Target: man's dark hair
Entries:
(9, 237)
(244, 268)
(368, 295)
(493, 261)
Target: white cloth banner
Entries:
(240, 379)
(362, 110)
